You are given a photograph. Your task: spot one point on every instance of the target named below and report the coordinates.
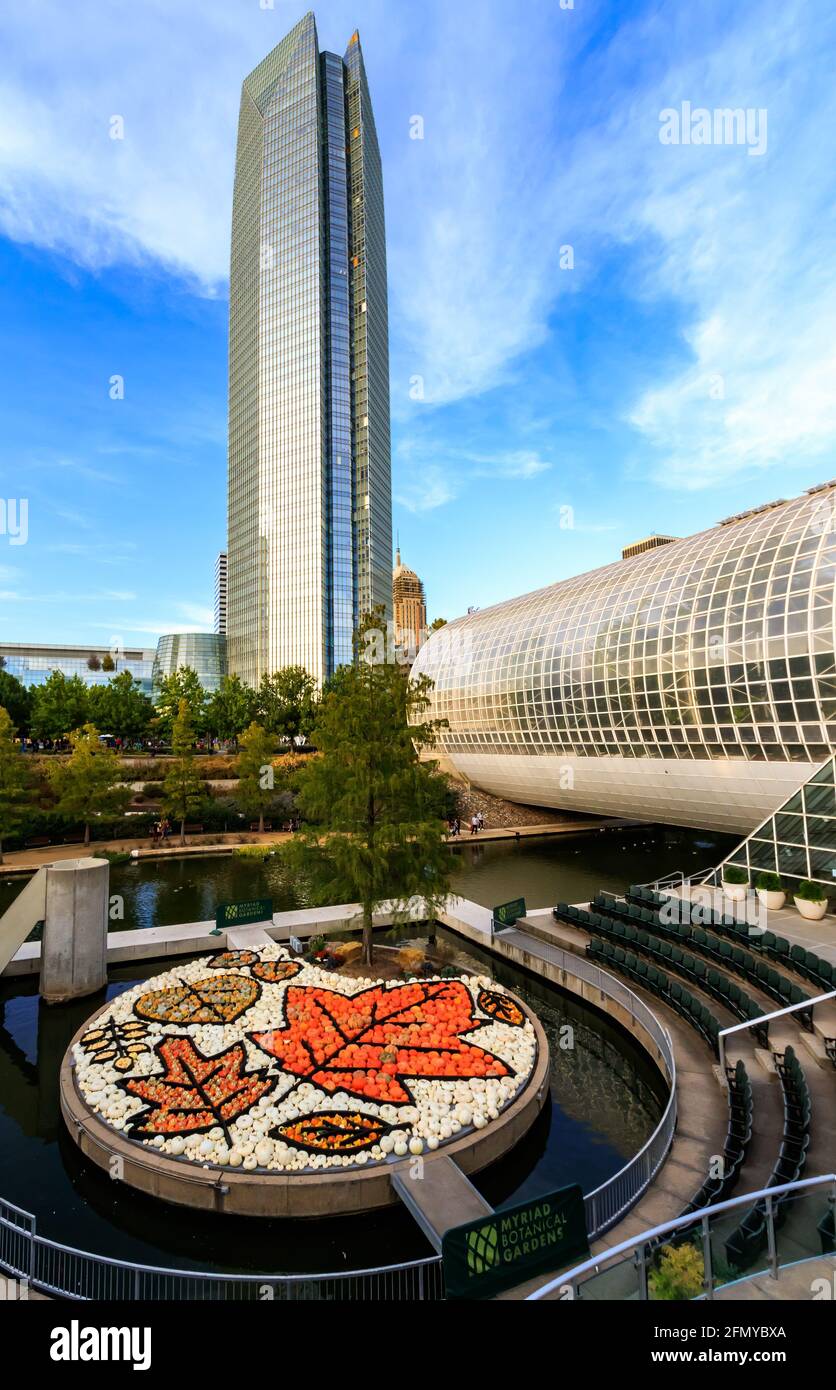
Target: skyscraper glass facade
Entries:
(694, 683)
(309, 459)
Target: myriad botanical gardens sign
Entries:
(484, 1257)
(240, 914)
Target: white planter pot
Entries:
(772, 898)
(813, 911)
(736, 892)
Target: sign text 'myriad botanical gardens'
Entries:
(491, 1254)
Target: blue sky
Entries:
(681, 370)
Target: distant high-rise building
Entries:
(410, 607)
(310, 529)
(220, 593)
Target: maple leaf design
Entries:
(366, 1044)
(195, 1093)
(217, 999)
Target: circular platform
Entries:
(255, 1083)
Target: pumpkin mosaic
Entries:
(256, 1060)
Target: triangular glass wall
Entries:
(799, 840)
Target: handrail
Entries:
(766, 1018)
(668, 1227)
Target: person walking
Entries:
(474, 825)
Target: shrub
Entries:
(679, 1274)
(152, 791)
(733, 873)
(810, 892)
(768, 883)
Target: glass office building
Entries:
(309, 507)
(32, 663)
(694, 683)
(204, 652)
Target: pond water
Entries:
(606, 1099)
(544, 870)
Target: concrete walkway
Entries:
(25, 861)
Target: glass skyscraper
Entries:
(310, 525)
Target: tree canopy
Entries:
(184, 790)
(88, 783)
(16, 700)
(230, 708)
(120, 707)
(15, 780)
(286, 702)
(374, 808)
(59, 706)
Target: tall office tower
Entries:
(409, 605)
(220, 593)
(310, 529)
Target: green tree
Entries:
(374, 807)
(121, 707)
(108, 664)
(88, 784)
(182, 684)
(183, 787)
(437, 623)
(59, 705)
(257, 776)
(230, 708)
(15, 781)
(17, 700)
(286, 702)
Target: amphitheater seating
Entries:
(738, 1137)
(721, 952)
(670, 956)
(816, 969)
(750, 1238)
(614, 957)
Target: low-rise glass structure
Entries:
(32, 663)
(204, 652)
(694, 683)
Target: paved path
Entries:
(24, 861)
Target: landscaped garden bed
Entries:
(259, 1061)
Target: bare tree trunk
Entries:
(182, 832)
(368, 949)
(1, 851)
(87, 834)
(261, 822)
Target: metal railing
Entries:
(67, 1272)
(636, 1251)
(608, 1203)
(802, 1007)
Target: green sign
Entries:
(239, 914)
(507, 913)
(498, 1252)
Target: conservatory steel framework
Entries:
(693, 684)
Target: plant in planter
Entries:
(811, 900)
(735, 881)
(770, 890)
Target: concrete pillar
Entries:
(74, 948)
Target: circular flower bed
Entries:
(256, 1060)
